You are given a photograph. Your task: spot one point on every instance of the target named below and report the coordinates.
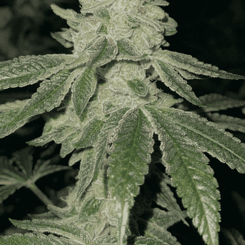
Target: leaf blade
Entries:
(192, 176)
(175, 82)
(48, 96)
(27, 70)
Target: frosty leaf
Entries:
(104, 136)
(210, 138)
(90, 6)
(90, 133)
(130, 155)
(83, 89)
(190, 173)
(27, 70)
(33, 239)
(158, 2)
(129, 159)
(58, 36)
(102, 51)
(138, 87)
(228, 122)
(127, 51)
(72, 232)
(216, 102)
(67, 14)
(86, 172)
(175, 82)
(187, 75)
(187, 62)
(48, 96)
(17, 104)
(67, 145)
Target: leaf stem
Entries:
(40, 194)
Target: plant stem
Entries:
(40, 194)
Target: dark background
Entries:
(211, 30)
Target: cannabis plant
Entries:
(102, 104)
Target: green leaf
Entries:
(27, 70)
(129, 159)
(210, 138)
(101, 51)
(48, 96)
(90, 133)
(73, 233)
(86, 172)
(104, 137)
(191, 64)
(12, 178)
(127, 51)
(67, 14)
(17, 104)
(156, 227)
(228, 122)
(158, 2)
(42, 168)
(130, 155)
(33, 239)
(216, 102)
(175, 82)
(193, 178)
(89, 7)
(83, 89)
(138, 87)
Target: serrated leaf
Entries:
(17, 104)
(158, 2)
(191, 64)
(138, 87)
(175, 82)
(210, 138)
(67, 14)
(148, 241)
(75, 234)
(86, 172)
(83, 89)
(67, 145)
(104, 137)
(27, 70)
(129, 159)
(216, 102)
(13, 178)
(102, 51)
(156, 227)
(130, 155)
(228, 122)
(48, 96)
(90, 133)
(166, 199)
(191, 175)
(44, 170)
(89, 7)
(58, 36)
(33, 239)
